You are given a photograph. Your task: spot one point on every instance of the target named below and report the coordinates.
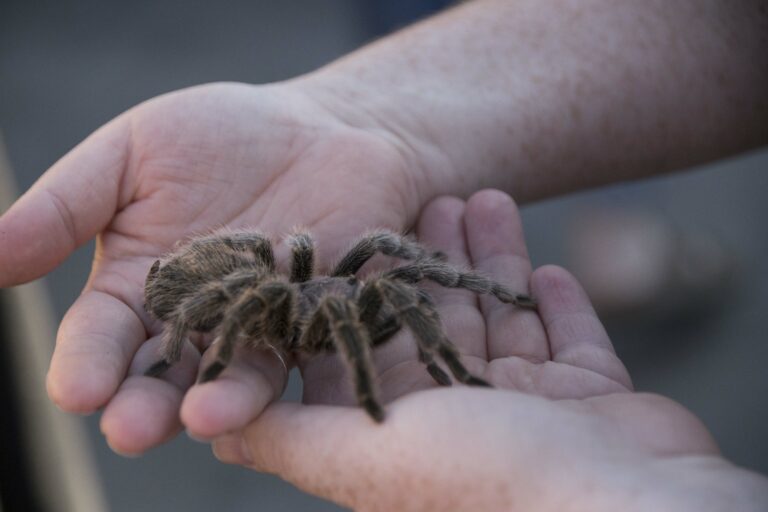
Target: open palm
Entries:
(558, 428)
(191, 161)
(562, 353)
(271, 158)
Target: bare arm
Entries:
(543, 97)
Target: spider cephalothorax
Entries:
(226, 283)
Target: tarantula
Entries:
(226, 283)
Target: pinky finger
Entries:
(576, 335)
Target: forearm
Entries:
(540, 98)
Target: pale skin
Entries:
(562, 431)
(531, 97)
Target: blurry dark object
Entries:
(18, 490)
(638, 267)
(44, 457)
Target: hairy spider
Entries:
(226, 283)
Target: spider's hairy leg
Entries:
(222, 252)
(280, 315)
(421, 317)
(206, 257)
(352, 341)
(316, 335)
(242, 316)
(370, 303)
(238, 242)
(200, 312)
(446, 275)
(380, 327)
(384, 329)
(385, 242)
(258, 244)
(263, 313)
(435, 371)
(303, 253)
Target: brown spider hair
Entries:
(226, 283)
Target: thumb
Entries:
(67, 206)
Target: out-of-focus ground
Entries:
(68, 67)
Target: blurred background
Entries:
(676, 264)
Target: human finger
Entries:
(576, 335)
(311, 464)
(96, 342)
(398, 368)
(423, 449)
(67, 206)
(441, 227)
(144, 412)
(497, 247)
(238, 395)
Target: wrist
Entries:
(356, 104)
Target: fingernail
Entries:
(232, 449)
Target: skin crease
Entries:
(563, 431)
(492, 93)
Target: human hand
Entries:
(508, 346)
(561, 431)
(224, 154)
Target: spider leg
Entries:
(200, 312)
(219, 254)
(238, 242)
(380, 327)
(446, 275)
(420, 315)
(386, 242)
(257, 243)
(247, 316)
(435, 371)
(370, 303)
(280, 300)
(242, 316)
(316, 335)
(352, 340)
(382, 331)
(303, 256)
